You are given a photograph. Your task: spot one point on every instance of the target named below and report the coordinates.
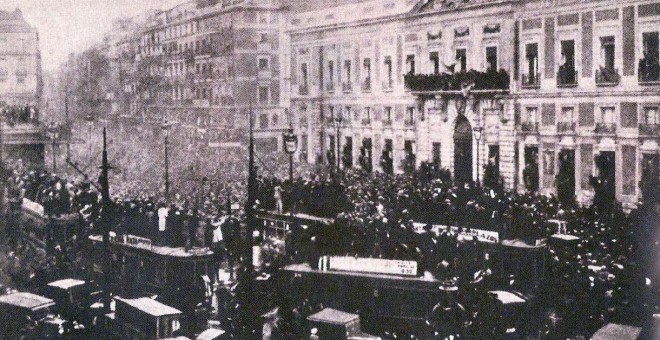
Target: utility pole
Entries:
(106, 216)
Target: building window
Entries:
(410, 63)
(607, 52)
(436, 154)
(549, 162)
(303, 79)
(651, 115)
(263, 64)
(649, 65)
(461, 60)
(366, 71)
(348, 111)
(387, 83)
(347, 85)
(491, 59)
(263, 38)
(567, 75)
(434, 57)
(367, 115)
(410, 115)
(331, 76)
(331, 113)
(263, 94)
(606, 115)
(388, 114)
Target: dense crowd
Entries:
(20, 114)
(602, 277)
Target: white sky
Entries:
(72, 25)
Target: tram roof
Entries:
(164, 251)
(613, 331)
(150, 306)
(333, 316)
(26, 300)
(66, 283)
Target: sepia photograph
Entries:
(330, 169)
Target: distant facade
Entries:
(20, 88)
(556, 87)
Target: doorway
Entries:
(462, 150)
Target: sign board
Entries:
(373, 266)
(481, 235)
(132, 240)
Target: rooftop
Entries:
(13, 22)
(66, 283)
(26, 300)
(333, 316)
(150, 306)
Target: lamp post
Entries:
(477, 136)
(290, 146)
(53, 131)
(166, 131)
(90, 121)
(338, 120)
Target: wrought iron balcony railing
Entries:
(456, 81)
(565, 127)
(531, 81)
(647, 129)
(605, 128)
(529, 127)
(347, 87)
(567, 77)
(607, 77)
(648, 72)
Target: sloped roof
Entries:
(150, 306)
(26, 300)
(368, 10)
(13, 22)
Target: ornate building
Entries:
(20, 88)
(547, 93)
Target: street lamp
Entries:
(53, 132)
(338, 120)
(90, 121)
(290, 147)
(477, 136)
(166, 131)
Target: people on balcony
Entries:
(20, 115)
(567, 73)
(649, 67)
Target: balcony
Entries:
(330, 87)
(646, 129)
(531, 81)
(366, 85)
(409, 122)
(366, 121)
(529, 127)
(566, 127)
(347, 87)
(387, 85)
(607, 77)
(567, 77)
(387, 122)
(649, 72)
(605, 128)
(455, 82)
(303, 89)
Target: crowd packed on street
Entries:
(604, 277)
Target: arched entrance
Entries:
(462, 150)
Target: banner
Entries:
(373, 266)
(481, 235)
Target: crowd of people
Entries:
(20, 114)
(603, 276)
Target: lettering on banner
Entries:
(373, 266)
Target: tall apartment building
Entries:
(20, 88)
(534, 88)
(205, 65)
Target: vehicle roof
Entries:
(66, 283)
(210, 334)
(26, 300)
(613, 331)
(150, 306)
(333, 316)
(507, 297)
